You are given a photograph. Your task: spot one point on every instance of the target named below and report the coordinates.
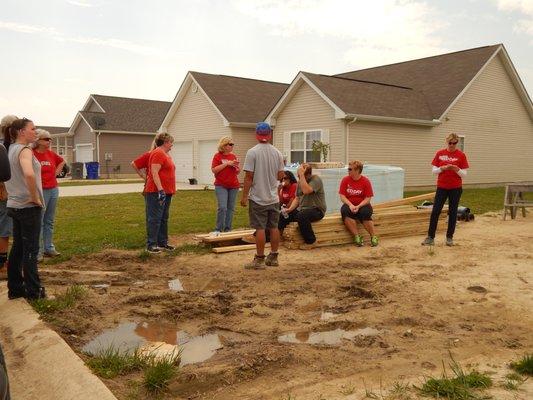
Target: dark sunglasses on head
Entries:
(452, 142)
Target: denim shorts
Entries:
(6, 224)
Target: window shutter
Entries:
(287, 146)
(325, 140)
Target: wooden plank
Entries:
(224, 234)
(407, 200)
(226, 238)
(241, 247)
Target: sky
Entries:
(55, 53)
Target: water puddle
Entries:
(331, 338)
(162, 339)
(175, 285)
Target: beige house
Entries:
(400, 114)
(208, 107)
(114, 131)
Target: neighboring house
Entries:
(400, 114)
(114, 131)
(208, 107)
(61, 141)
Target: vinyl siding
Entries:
(125, 148)
(194, 120)
(497, 128)
(244, 139)
(306, 111)
(83, 134)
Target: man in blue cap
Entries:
(263, 168)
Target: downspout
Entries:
(98, 146)
(348, 138)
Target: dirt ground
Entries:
(471, 300)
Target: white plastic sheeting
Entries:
(387, 183)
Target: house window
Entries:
(61, 151)
(302, 146)
(461, 144)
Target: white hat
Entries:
(8, 120)
(43, 134)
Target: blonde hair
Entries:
(452, 136)
(356, 164)
(222, 142)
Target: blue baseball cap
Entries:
(263, 131)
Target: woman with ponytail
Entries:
(6, 224)
(24, 205)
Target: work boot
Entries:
(257, 263)
(449, 241)
(272, 260)
(429, 241)
(358, 240)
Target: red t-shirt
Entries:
(356, 190)
(227, 177)
(287, 194)
(167, 173)
(142, 161)
(49, 162)
(449, 179)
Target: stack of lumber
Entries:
(227, 241)
(391, 219)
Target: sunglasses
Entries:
(454, 143)
(47, 139)
(350, 169)
(231, 144)
(286, 178)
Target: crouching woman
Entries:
(356, 192)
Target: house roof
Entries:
(240, 100)
(440, 79)
(54, 129)
(124, 114)
(370, 98)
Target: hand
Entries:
(301, 170)
(161, 196)
(354, 209)
(454, 167)
(231, 163)
(446, 167)
(244, 201)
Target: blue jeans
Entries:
(157, 220)
(226, 207)
(22, 274)
(49, 214)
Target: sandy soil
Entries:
(471, 300)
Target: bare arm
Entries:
(25, 159)
(294, 205)
(59, 168)
(248, 180)
(155, 175)
(140, 172)
(220, 167)
(281, 174)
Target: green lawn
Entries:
(89, 224)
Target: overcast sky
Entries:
(55, 53)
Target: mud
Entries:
(419, 306)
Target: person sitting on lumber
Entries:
(308, 206)
(355, 192)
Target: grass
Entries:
(68, 299)
(92, 182)
(460, 386)
(90, 224)
(160, 371)
(524, 366)
(513, 381)
(112, 362)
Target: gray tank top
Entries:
(17, 191)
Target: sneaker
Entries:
(374, 241)
(358, 240)
(52, 253)
(215, 233)
(166, 247)
(429, 241)
(307, 246)
(257, 263)
(153, 249)
(449, 241)
(41, 295)
(248, 239)
(13, 296)
(272, 260)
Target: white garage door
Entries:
(182, 155)
(206, 151)
(84, 153)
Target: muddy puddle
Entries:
(157, 338)
(331, 338)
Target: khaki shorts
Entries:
(263, 217)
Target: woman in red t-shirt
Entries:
(225, 167)
(159, 189)
(287, 193)
(450, 165)
(355, 192)
(51, 165)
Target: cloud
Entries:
(80, 3)
(523, 7)
(23, 28)
(373, 32)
